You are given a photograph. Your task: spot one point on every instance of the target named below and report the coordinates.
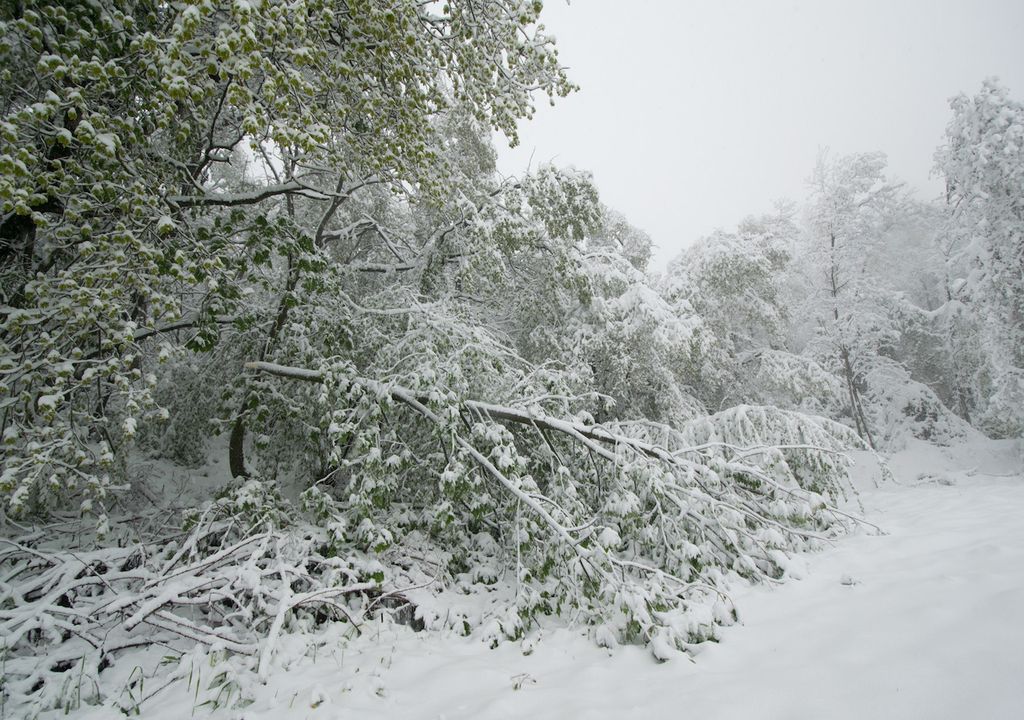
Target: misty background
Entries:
(693, 115)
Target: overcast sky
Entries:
(692, 114)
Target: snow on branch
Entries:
(89, 605)
(657, 534)
(253, 197)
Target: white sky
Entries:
(694, 114)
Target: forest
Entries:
(284, 357)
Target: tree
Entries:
(615, 233)
(291, 209)
(117, 225)
(733, 283)
(642, 350)
(593, 310)
(983, 162)
(852, 206)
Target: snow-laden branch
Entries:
(722, 498)
(253, 197)
(486, 411)
(219, 594)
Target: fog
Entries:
(692, 115)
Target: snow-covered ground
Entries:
(926, 621)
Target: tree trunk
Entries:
(856, 406)
(236, 444)
(236, 448)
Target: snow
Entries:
(926, 620)
(165, 225)
(48, 402)
(108, 141)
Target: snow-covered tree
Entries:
(290, 211)
(983, 162)
(733, 283)
(852, 206)
(117, 225)
(617, 234)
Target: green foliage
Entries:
(139, 147)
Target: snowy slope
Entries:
(926, 621)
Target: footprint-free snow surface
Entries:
(926, 621)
